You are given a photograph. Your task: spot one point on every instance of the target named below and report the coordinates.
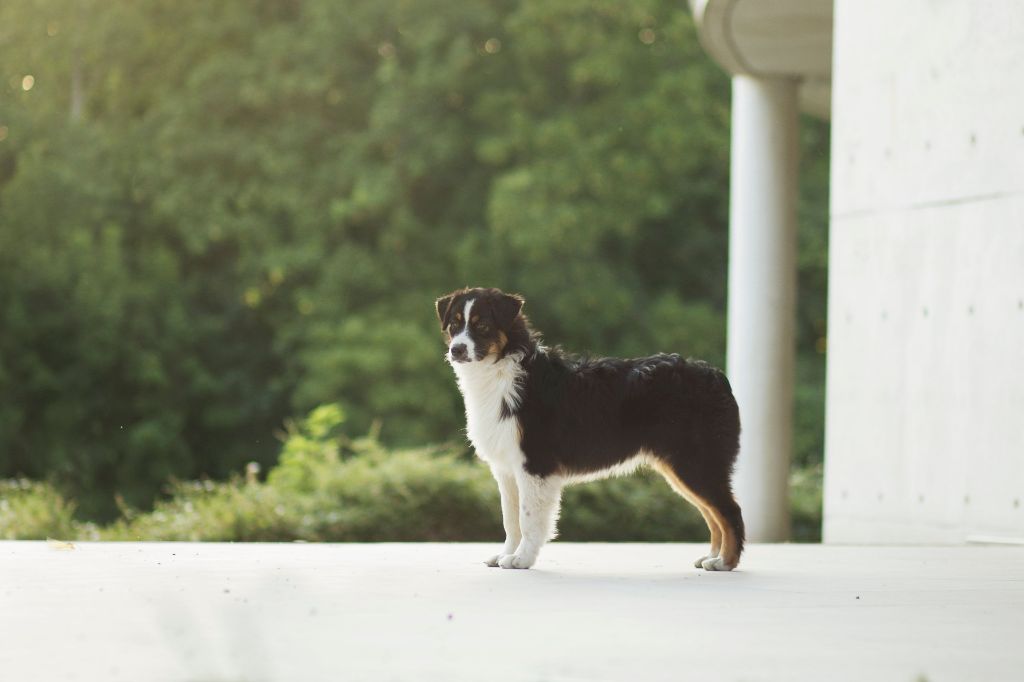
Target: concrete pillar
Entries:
(762, 295)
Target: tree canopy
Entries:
(216, 215)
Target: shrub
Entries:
(331, 488)
(31, 510)
(805, 497)
(639, 508)
(207, 511)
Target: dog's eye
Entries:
(483, 328)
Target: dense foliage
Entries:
(214, 215)
(328, 487)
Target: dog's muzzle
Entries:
(459, 352)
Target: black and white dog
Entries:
(542, 420)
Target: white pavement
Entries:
(148, 612)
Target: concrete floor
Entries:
(214, 612)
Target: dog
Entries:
(543, 419)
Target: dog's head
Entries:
(477, 323)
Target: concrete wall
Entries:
(925, 408)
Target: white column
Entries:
(762, 295)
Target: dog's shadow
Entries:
(664, 580)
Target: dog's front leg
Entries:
(539, 498)
(509, 490)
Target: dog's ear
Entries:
(507, 309)
(443, 306)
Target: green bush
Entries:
(31, 510)
(639, 508)
(216, 512)
(805, 496)
(330, 488)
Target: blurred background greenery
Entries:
(217, 216)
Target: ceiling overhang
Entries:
(772, 39)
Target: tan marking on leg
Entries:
(729, 555)
(716, 526)
(716, 530)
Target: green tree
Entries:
(216, 215)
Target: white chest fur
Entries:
(485, 386)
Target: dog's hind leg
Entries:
(677, 484)
(722, 505)
(539, 498)
(716, 533)
(714, 492)
(509, 490)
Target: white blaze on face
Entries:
(463, 336)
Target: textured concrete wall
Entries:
(925, 411)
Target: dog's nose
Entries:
(459, 352)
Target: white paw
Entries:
(716, 564)
(515, 561)
(496, 559)
(699, 563)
